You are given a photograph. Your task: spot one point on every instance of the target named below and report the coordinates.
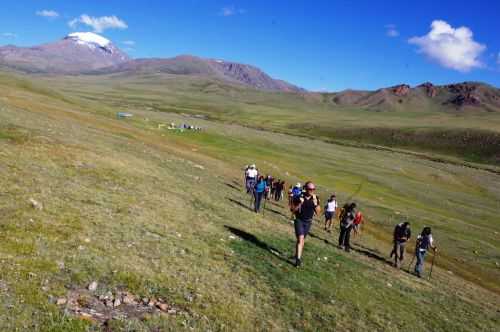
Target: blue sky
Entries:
(319, 45)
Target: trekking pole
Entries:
(412, 260)
(264, 207)
(432, 264)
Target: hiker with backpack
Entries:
(346, 224)
(424, 243)
(304, 207)
(356, 225)
(259, 191)
(251, 175)
(293, 193)
(330, 209)
(402, 234)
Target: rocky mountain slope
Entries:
(462, 96)
(89, 53)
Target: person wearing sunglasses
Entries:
(304, 208)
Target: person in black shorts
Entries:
(304, 207)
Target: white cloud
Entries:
(128, 42)
(99, 24)
(9, 35)
(391, 30)
(450, 47)
(231, 11)
(47, 13)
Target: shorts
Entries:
(329, 215)
(302, 227)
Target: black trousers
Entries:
(345, 237)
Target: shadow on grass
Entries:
(255, 241)
(232, 186)
(248, 207)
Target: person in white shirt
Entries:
(330, 210)
(251, 174)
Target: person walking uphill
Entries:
(424, 242)
(330, 209)
(251, 174)
(259, 191)
(402, 234)
(304, 208)
(346, 224)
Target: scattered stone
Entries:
(61, 301)
(36, 205)
(450, 272)
(87, 240)
(325, 258)
(31, 275)
(189, 297)
(151, 303)
(145, 301)
(497, 264)
(117, 302)
(172, 311)
(476, 252)
(128, 299)
(109, 303)
(389, 284)
(60, 265)
(162, 306)
(92, 286)
(81, 247)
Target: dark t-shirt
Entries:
(306, 210)
(401, 231)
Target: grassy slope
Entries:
(158, 224)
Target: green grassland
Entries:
(162, 213)
(472, 134)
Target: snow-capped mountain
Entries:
(90, 53)
(78, 52)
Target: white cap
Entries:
(252, 166)
(298, 184)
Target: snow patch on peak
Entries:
(83, 38)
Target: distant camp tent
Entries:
(123, 115)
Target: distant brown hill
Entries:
(466, 96)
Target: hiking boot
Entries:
(298, 262)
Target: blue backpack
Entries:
(296, 192)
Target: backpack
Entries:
(423, 242)
(296, 192)
(343, 211)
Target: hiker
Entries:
(356, 225)
(402, 234)
(330, 209)
(424, 242)
(251, 174)
(258, 192)
(346, 224)
(293, 193)
(282, 187)
(277, 189)
(269, 183)
(304, 207)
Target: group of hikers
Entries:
(304, 204)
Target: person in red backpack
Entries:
(358, 220)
